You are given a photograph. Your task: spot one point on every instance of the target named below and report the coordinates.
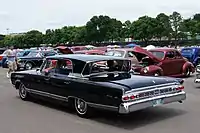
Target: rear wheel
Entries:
(82, 108)
(187, 72)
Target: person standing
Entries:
(11, 58)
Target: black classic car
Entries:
(34, 59)
(82, 81)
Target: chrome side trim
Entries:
(143, 88)
(46, 94)
(61, 98)
(101, 106)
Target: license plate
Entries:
(157, 102)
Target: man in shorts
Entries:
(11, 58)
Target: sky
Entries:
(24, 15)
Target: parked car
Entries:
(78, 80)
(163, 62)
(34, 59)
(192, 54)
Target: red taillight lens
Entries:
(132, 97)
(126, 98)
(180, 88)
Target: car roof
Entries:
(87, 58)
(163, 49)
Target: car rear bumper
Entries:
(126, 108)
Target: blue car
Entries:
(192, 54)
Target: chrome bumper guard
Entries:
(129, 107)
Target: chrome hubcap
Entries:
(22, 91)
(81, 106)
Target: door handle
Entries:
(67, 82)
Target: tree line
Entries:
(104, 29)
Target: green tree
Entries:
(103, 28)
(176, 20)
(126, 29)
(163, 28)
(33, 38)
(144, 28)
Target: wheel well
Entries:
(17, 84)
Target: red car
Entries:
(163, 62)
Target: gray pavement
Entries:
(17, 116)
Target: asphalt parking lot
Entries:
(17, 116)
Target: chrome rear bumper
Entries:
(126, 108)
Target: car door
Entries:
(179, 61)
(168, 64)
(59, 81)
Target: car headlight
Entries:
(146, 69)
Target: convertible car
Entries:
(79, 81)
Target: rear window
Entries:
(158, 54)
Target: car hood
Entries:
(140, 50)
(136, 82)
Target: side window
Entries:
(170, 55)
(64, 67)
(177, 55)
(49, 65)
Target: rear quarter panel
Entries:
(96, 92)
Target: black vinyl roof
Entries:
(87, 58)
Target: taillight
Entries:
(132, 97)
(179, 88)
(125, 98)
(128, 98)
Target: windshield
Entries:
(115, 53)
(35, 54)
(158, 54)
(20, 54)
